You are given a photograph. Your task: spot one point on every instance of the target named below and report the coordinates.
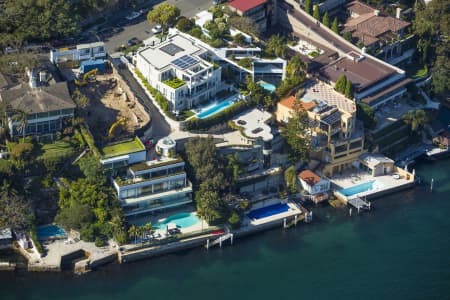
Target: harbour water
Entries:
(400, 250)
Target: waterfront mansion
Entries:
(154, 185)
(336, 136)
(179, 68)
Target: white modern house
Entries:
(180, 68)
(314, 185)
(81, 52)
(153, 185)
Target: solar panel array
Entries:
(185, 61)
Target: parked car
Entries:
(157, 29)
(134, 15)
(133, 41)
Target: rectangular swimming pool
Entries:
(215, 108)
(50, 231)
(360, 188)
(268, 211)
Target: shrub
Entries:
(37, 244)
(99, 242)
(246, 63)
(87, 233)
(184, 24)
(196, 32)
(234, 220)
(244, 205)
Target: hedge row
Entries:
(221, 117)
(37, 244)
(159, 98)
(90, 141)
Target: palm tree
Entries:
(416, 119)
(148, 227)
(133, 231)
(20, 117)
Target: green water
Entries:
(400, 250)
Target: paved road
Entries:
(141, 29)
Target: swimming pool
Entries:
(182, 220)
(50, 231)
(268, 86)
(213, 109)
(360, 188)
(268, 211)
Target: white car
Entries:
(133, 15)
(157, 29)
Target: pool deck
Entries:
(153, 219)
(55, 251)
(356, 177)
(293, 211)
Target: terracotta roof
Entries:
(245, 5)
(289, 103)
(309, 177)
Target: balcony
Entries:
(126, 181)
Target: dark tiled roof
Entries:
(40, 99)
(369, 100)
(362, 73)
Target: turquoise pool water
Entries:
(268, 86)
(182, 220)
(211, 110)
(360, 188)
(268, 211)
(45, 232)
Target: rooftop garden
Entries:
(123, 148)
(144, 166)
(174, 82)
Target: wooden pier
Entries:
(359, 203)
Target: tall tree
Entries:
(15, 211)
(348, 89)
(308, 6)
(316, 13)
(326, 19)
(341, 84)
(335, 26)
(164, 14)
(21, 118)
(297, 134)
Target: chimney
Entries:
(31, 78)
(398, 12)
(42, 77)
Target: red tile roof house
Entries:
(257, 10)
(314, 185)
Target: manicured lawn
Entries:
(134, 145)
(174, 82)
(57, 149)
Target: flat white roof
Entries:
(115, 159)
(254, 124)
(164, 53)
